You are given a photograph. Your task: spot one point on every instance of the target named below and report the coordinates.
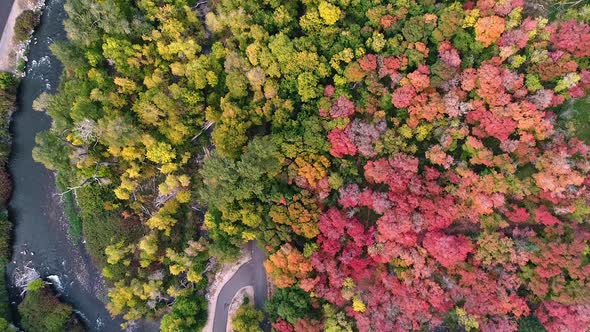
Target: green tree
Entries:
(290, 304)
(188, 314)
(41, 310)
(530, 324)
(51, 151)
(237, 189)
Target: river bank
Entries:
(40, 227)
(11, 51)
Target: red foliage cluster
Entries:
(341, 144)
(302, 325)
(448, 250)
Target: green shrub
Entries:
(530, 324)
(578, 119)
(51, 152)
(6, 326)
(8, 84)
(5, 232)
(41, 310)
(7, 99)
(8, 81)
(21, 65)
(4, 299)
(5, 186)
(74, 221)
(25, 24)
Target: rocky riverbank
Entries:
(13, 51)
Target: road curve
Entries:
(5, 7)
(249, 274)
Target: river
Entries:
(40, 235)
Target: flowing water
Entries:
(40, 235)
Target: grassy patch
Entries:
(101, 224)
(71, 212)
(579, 119)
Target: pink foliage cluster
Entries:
(559, 317)
(448, 54)
(342, 108)
(572, 37)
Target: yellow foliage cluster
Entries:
(346, 56)
(117, 252)
(329, 12)
(173, 183)
(358, 305)
(160, 152)
(470, 18)
(467, 321)
(311, 167)
(163, 219)
(126, 297)
(126, 187)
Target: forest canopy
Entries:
(406, 165)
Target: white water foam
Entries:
(56, 282)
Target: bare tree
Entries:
(101, 180)
(205, 127)
(87, 130)
(24, 275)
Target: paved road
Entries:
(5, 7)
(249, 274)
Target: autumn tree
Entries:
(287, 266)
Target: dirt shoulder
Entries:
(225, 273)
